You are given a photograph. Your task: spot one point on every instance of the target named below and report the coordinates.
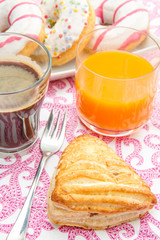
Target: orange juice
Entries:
(115, 90)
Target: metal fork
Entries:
(51, 142)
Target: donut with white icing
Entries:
(20, 16)
(126, 13)
(66, 22)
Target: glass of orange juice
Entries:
(116, 80)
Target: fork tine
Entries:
(49, 124)
(54, 130)
(63, 128)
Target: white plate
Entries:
(68, 69)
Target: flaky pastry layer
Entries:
(95, 188)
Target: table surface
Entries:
(140, 150)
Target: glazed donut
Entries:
(25, 17)
(66, 22)
(126, 13)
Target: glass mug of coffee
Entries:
(25, 66)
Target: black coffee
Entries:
(19, 113)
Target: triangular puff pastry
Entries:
(94, 188)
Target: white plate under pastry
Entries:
(68, 69)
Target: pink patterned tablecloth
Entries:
(140, 150)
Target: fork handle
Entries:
(19, 229)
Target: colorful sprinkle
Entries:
(64, 31)
(63, 49)
(60, 35)
(69, 46)
(51, 22)
(69, 26)
(70, 11)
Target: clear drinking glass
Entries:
(23, 83)
(116, 80)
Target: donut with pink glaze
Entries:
(24, 17)
(126, 13)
